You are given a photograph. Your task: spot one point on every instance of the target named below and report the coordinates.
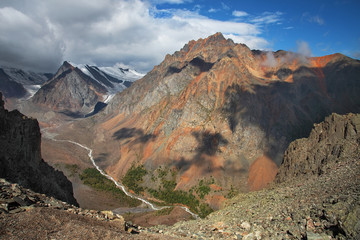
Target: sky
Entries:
(39, 35)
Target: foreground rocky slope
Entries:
(25, 214)
(20, 157)
(310, 204)
(216, 109)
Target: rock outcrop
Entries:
(217, 109)
(318, 197)
(338, 137)
(20, 157)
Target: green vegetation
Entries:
(73, 168)
(203, 189)
(92, 177)
(134, 177)
(168, 194)
(232, 192)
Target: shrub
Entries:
(93, 178)
(134, 177)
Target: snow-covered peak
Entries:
(25, 77)
(115, 78)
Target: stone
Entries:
(108, 214)
(246, 226)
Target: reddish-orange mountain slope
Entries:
(217, 109)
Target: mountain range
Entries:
(85, 86)
(211, 120)
(216, 109)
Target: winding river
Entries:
(152, 206)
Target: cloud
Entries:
(170, 1)
(356, 54)
(239, 13)
(268, 18)
(270, 60)
(213, 10)
(317, 19)
(28, 44)
(303, 48)
(41, 34)
(224, 6)
(313, 19)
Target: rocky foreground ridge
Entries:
(318, 197)
(20, 157)
(25, 214)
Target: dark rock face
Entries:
(20, 157)
(9, 87)
(13, 81)
(338, 137)
(70, 91)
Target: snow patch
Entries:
(31, 89)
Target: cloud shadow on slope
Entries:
(138, 134)
(289, 110)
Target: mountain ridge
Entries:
(214, 94)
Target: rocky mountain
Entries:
(338, 137)
(20, 157)
(81, 92)
(18, 83)
(216, 109)
(318, 197)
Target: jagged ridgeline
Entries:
(216, 109)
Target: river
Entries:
(119, 185)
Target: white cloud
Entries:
(213, 10)
(317, 20)
(239, 13)
(270, 60)
(170, 1)
(106, 32)
(313, 19)
(303, 48)
(268, 18)
(224, 6)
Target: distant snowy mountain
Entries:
(20, 83)
(114, 79)
(83, 90)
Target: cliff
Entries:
(20, 157)
(337, 138)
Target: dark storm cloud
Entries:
(41, 34)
